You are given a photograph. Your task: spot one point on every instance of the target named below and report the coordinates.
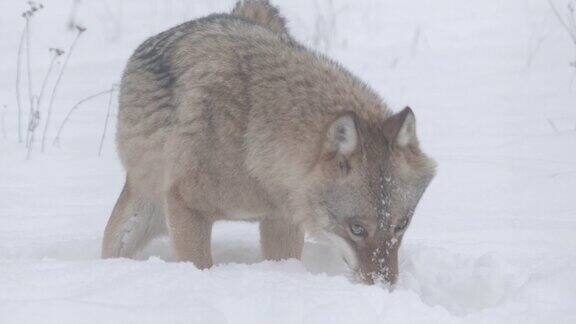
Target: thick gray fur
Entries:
(228, 117)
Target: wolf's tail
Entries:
(261, 12)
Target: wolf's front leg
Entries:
(281, 239)
(190, 232)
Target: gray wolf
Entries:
(229, 118)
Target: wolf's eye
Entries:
(358, 230)
(401, 226)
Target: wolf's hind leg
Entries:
(190, 232)
(281, 239)
(133, 223)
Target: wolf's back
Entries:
(199, 54)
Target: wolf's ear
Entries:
(400, 129)
(341, 141)
(342, 137)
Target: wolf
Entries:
(228, 117)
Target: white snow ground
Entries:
(494, 239)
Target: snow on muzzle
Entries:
(373, 260)
(378, 261)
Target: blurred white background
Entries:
(494, 239)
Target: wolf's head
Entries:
(372, 177)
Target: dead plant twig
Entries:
(35, 120)
(553, 126)
(106, 120)
(568, 23)
(32, 114)
(79, 31)
(18, 76)
(76, 106)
